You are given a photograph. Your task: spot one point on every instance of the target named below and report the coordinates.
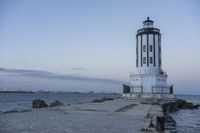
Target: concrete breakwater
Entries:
(127, 115)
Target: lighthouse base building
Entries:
(148, 79)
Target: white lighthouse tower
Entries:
(148, 78)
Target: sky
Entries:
(96, 38)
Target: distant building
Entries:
(148, 79)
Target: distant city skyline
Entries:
(97, 39)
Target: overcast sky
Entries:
(97, 37)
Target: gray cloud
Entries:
(77, 68)
(49, 75)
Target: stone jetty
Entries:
(124, 115)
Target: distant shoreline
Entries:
(17, 92)
(53, 92)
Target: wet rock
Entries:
(38, 103)
(10, 111)
(188, 105)
(16, 111)
(56, 103)
(183, 104)
(151, 124)
(196, 106)
(160, 124)
(178, 104)
(170, 107)
(125, 108)
(102, 100)
(146, 130)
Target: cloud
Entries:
(49, 75)
(77, 68)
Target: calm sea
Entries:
(188, 121)
(9, 101)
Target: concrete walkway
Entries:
(117, 116)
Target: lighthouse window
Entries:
(151, 48)
(151, 60)
(144, 48)
(144, 60)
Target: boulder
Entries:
(170, 107)
(102, 100)
(178, 104)
(56, 103)
(151, 125)
(146, 130)
(160, 124)
(196, 106)
(189, 105)
(38, 103)
(181, 103)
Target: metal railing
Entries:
(154, 90)
(148, 30)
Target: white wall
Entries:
(151, 69)
(148, 80)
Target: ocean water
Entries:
(12, 101)
(188, 121)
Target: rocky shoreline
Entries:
(177, 104)
(163, 122)
(170, 106)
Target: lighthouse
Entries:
(148, 78)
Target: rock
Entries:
(146, 130)
(56, 103)
(38, 103)
(16, 111)
(151, 124)
(178, 104)
(183, 104)
(188, 105)
(125, 108)
(196, 106)
(170, 107)
(102, 100)
(160, 124)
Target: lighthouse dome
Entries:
(148, 23)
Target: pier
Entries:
(125, 115)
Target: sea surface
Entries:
(12, 101)
(188, 121)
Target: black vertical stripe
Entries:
(160, 52)
(147, 49)
(159, 42)
(154, 56)
(136, 51)
(141, 51)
